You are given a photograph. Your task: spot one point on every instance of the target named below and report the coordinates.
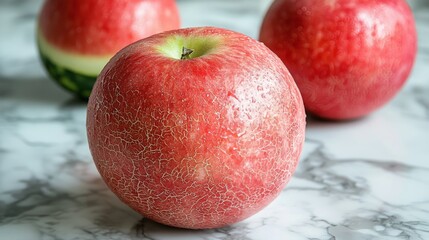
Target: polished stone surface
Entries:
(358, 180)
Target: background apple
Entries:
(76, 38)
(196, 140)
(348, 57)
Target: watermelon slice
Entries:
(76, 38)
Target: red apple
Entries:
(76, 38)
(348, 57)
(196, 128)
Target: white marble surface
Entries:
(365, 179)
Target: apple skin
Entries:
(98, 27)
(348, 57)
(197, 143)
(76, 38)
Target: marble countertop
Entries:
(365, 179)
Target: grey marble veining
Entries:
(357, 180)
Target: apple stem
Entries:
(185, 53)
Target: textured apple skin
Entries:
(197, 143)
(348, 57)
(99, 27)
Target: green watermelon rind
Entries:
(76, 83)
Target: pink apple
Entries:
(348, 57)
(76, 38)
(196, 128)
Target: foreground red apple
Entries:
(196, 128)
(76, 38)
(348, 57)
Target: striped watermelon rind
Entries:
(76, 83)
(75, 73)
